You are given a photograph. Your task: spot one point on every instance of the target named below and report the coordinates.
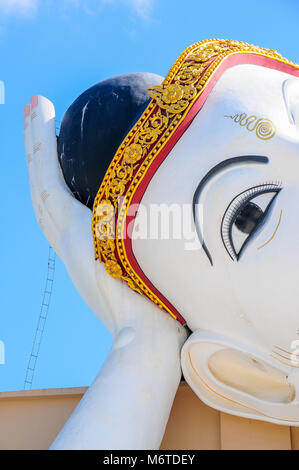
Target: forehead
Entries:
(212, 136)
(254, 92)
(248, 88)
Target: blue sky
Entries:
(59, 49)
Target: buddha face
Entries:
(234, 274)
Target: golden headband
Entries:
(173, 106)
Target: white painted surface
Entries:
(128, 405)
(251, 303)
(249, 306)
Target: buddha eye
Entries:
(244, 215)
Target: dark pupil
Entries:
(248, 217)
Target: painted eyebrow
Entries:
(230, 162)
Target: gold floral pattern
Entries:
(172, 94)
(189, 73)
(170, 103)
(202, 54)
(105, 210)
(174, 98)
(133, 153)
(114, 269)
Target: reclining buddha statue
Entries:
(171, 203)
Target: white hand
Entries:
(66, 223)
(148, 341)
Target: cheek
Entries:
(267, 288)
(265, 281)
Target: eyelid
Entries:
(216, 170)
(249, 194)
(233, 209)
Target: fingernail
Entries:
(27, 111)
(34, 101)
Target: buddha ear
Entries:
(232, 378)
(291, 98)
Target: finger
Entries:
(62, 207)
(78, 255)
(42, 217)
(71, 219)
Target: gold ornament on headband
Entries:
(170, 103)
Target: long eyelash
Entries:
(234, 207)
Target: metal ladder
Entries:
(41, 321)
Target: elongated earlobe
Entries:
(232, 378)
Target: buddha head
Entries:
(197, 210)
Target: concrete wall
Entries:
(31, 420)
